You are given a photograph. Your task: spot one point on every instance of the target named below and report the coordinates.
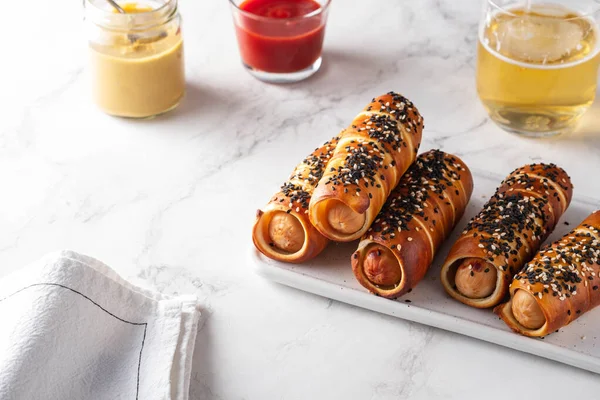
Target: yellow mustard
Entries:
(136, 60)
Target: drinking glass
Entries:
(280, 49)
(537, 63)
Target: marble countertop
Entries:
(171, 200)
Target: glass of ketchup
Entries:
(280, 40)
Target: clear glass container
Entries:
(136, 59)
(537, 63)
(280, 47)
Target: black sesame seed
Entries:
(432, 173)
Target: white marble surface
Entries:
(172, 200)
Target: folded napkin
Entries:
(71, 328)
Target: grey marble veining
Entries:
(170, 201)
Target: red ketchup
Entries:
(281, 41)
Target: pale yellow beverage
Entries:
(537, 69)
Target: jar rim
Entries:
(506, 9)
(106, 17)
(318, 11)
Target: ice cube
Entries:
(538, 39)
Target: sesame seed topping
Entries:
(561, 267)
(517, 218)
(415, 202)
(301, 184)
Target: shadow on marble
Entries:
(589, 128)
(198, 100)
(341, 68)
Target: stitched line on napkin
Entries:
(145, 324)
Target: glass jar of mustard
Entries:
(136, 58)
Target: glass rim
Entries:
(505, 10)
(144, 19)
(311, 14)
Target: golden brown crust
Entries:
(371, 156)
(293, 198)
(510, 228)
(564, 279)
(417, 217)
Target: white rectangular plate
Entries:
(330, 275)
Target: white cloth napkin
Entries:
(71, 328)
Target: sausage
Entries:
(395, 253)
(381, 266)
(343, 219)
(506, 233)
(373, 153)
(527, 311)
(475, 278)
(560, 284)
(286, 232)
(282, 230)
